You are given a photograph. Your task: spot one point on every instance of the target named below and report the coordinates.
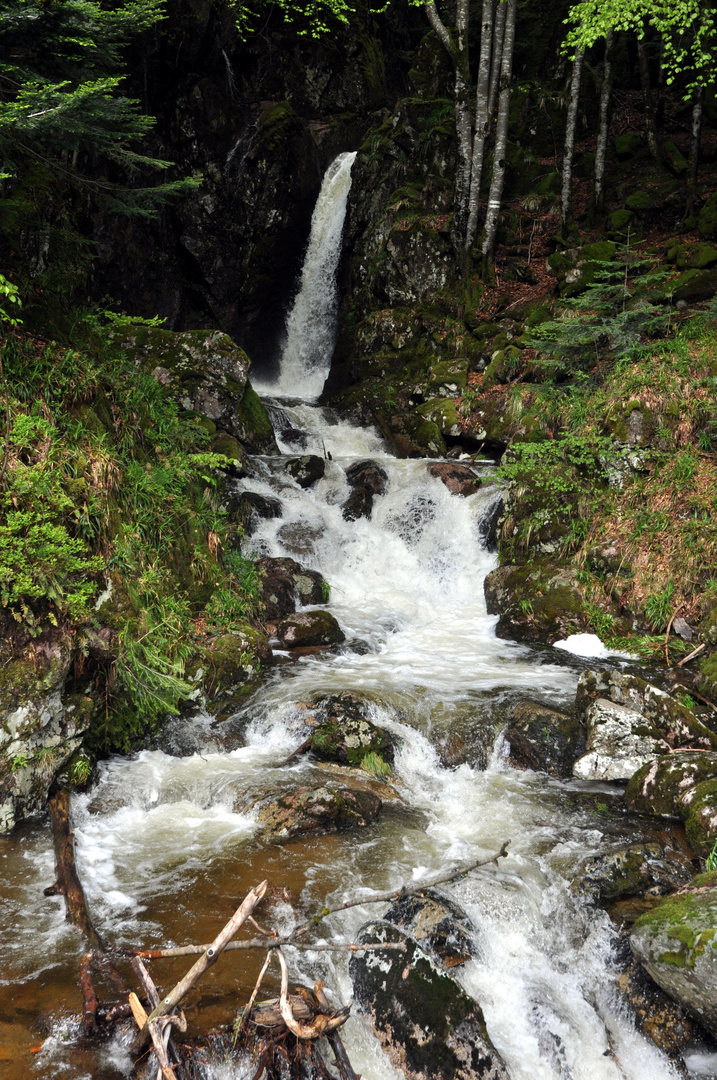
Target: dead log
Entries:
(69, 885)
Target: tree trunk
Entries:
(497, 54)
(482, 120)
(501, 141)
(570, 125)
(604, 123)
(647, 100)
(694, 151)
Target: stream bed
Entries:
(167, 841)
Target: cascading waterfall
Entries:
(311, 324)
(166, 841)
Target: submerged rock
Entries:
(459, 479)
(657, 789)
(318, 810)
(307, 469)
(655, 1014)
(430, 1028)
(359, 504)
(299, 536)
(369, 475)
(309, 628)
(676, 943)
(543, 739)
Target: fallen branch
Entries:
(264, 943)
(248, 1007)
(321, 1024)
(205, 961)
(342, 1060)
(692, 655)
(403, 892)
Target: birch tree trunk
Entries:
(501, 141)
(458, 51)
(570, 125)
(603, 124)
(482, 119)
(694, 151)
(497, 53)
(647, 100)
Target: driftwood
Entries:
(205, 961)
(342, 1059)
(264, 943)
(95, 960)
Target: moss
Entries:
(601, 251)
(700, 815)
(254, 419)
(707, 220)
(628, 144)
(620, 219)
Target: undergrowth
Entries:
(109, 494)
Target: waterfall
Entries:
(311, 324)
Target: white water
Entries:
(166, 845)
(311, 325)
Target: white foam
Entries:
(589, 646)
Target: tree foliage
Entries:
(688, 29)
(61, 72)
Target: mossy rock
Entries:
(448, 377)
(676, 943)
(233, 659)
(428, 1025)
(694, 285)
(504, 366)
(659, 786)
(348, 740)
(699, 811)
(639, 202)
(309, 628)
(443, 413)
(628, 145)
(703, 256)
(630, 871)
(620, 220)
(412, 435)
(674, 158)
(707, 220)
(601, 251)
(707, 681)
(538, 602)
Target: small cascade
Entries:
(231, 81)
(311, 325)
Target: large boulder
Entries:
(312, 811)
(676, 943)
(309, 628)
(657, 789)
(233, 659)
(629, 722)
(40, 729)
(307, 469)
(430, 1028)
(359, 504)
(438, 926)
(543, 739)
(655, 1014)
(699, 812)
(348, 740)
(538, 602)
(206, 373)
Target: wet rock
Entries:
(430, 1028)
(488, 524)
(438, 925)
(309, 628)
(459, 479)
(658, 787)
(359, 504)
(676, 943)
(629, 722)
(264, 507)
(369, 475)
(206, 373)
(312, 811)
(345, 733)
(299, 536)
(284, 582)
(543, 739)
(540, 602)
(307, 469)
(699, 812)
(412, 436)
(40, 729)
(631, 871)
(235, 658)
(655, 1014)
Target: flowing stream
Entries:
(168, 843)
